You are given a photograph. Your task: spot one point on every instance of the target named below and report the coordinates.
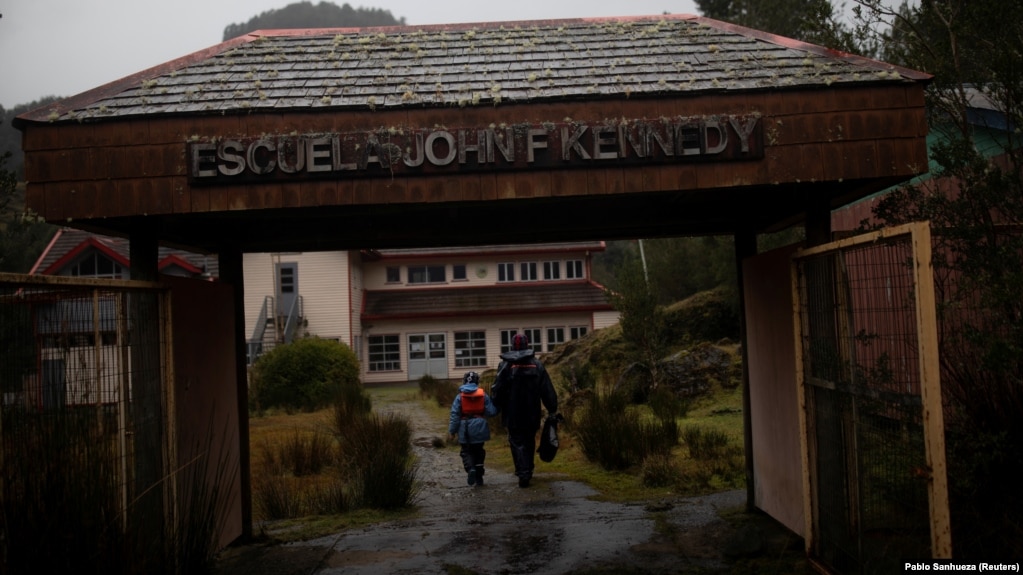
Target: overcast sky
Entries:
(65, 47)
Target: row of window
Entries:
(506, 272)
(470, 347)
(528, 271)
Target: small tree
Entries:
(307, 374)
(641, 319)
(974, 201)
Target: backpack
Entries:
(473, 404)
(523, 372)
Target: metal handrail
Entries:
(255, 343)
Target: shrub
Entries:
(443, 391)
(304, 375)
(579, 375)
(667, 405)
(611, 433)
(330, 498)
(377, 456)
(705, 444)
(276, 498)
(659, 472)
(300, 454)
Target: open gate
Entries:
(872, 432)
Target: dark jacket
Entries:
(522, 385)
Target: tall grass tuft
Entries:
(443, 391)
(611, 433)
(300, 454)
(331, 498)
(667, 405)
(705, 444)
(275, 498)
(61, 509)
(377, 453)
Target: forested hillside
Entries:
(309, 15)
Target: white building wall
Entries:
(492, 326)
(258, 273)
(480, 270)
(602, 319)
(323, 283)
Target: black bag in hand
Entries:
(549, 438)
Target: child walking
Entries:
(469, 413)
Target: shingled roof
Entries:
(470, 65)
(487, 300)
(67, 240)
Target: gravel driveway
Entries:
(551, 528)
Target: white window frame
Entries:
(388, 359)
(397, 274)
(575, 332)
(552, 270)
(555, 337)
(533, 333)
(470, 348)
(574, 270)
(506, 272)
(428, 272)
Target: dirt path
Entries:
(551, 528)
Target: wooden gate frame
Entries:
(930, 379)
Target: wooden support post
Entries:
(745, 247)
(231, 272)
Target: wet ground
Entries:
(552, 527)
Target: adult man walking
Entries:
(522, 385)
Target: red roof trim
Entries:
(80, 249)
(46, 251)
(173, 260)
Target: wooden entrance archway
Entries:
(306, 140)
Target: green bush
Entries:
(306, 375)
(611, 433)
(443, 391)
(705, 444)
(377, 455)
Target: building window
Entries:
(384, 353)
(555, 337)
(506, 272)
(470, 348)
(574, 269)
(552, 270)
(426, 274)
(576, 332)
(458, 272)
(96, 265)
(533, 333)
(528, 271)
(393, 274)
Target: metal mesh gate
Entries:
(867, 368)
(85, 438)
